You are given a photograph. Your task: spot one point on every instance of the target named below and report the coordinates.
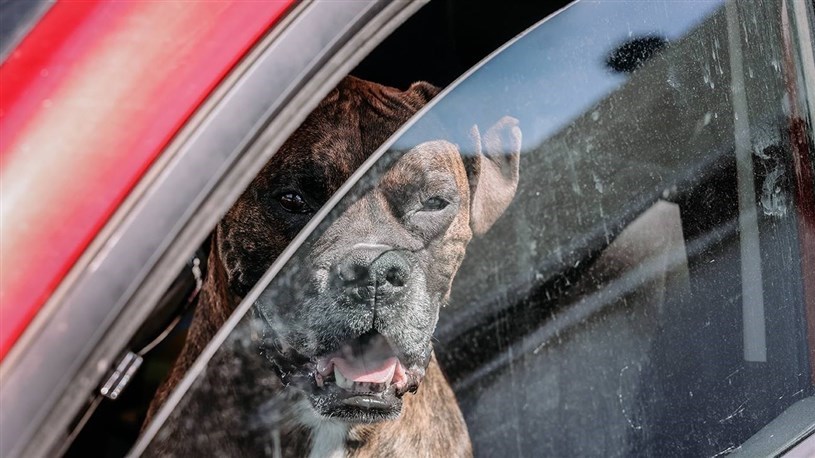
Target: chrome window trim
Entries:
(74, 340)
(804, 448)
(790, 431)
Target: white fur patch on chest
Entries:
(328, 438)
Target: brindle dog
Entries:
(345, 347)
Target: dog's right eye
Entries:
(434, 204)
(293, 203)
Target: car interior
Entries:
(616, 322)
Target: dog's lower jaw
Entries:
(430, 424)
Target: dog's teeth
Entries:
(324, 366)
(342, 382)
(369, 387)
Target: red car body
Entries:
(90, 98)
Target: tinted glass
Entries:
(637, 287)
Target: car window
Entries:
(602, 234)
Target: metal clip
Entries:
(121, 376)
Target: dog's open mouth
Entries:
(365, 373)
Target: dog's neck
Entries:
(329, 440)
(326, 438)
(215, 304)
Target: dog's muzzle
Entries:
(359, 343)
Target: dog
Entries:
(347, 367)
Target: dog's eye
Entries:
(434, 204)
(293, 203)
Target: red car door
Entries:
(90, 98)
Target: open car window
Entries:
(605, 228)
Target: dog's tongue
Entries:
(360, 370)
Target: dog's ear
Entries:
(492, 171)
(423, 90)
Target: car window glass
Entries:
(600, 232)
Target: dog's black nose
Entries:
(391, 271)
(368, 271)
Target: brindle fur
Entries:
(346, 127)
(333, 141)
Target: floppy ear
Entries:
(423, 90)
(493, 172)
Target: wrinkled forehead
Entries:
(333, 141)
(435, 163)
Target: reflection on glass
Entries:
(635, 289)
(351, 324)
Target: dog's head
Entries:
(353, 329)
